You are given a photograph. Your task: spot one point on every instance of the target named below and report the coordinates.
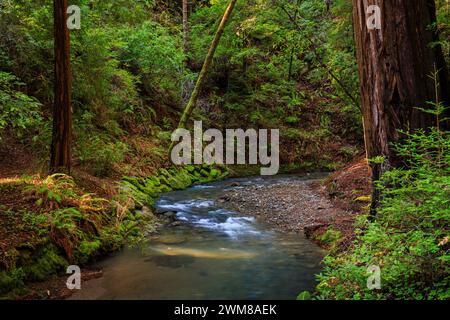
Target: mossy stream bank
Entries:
(58, 225)
(146, 190)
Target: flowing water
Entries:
(214, 254)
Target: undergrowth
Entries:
(410, 237)
(63, 226)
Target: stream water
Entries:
(214, 254)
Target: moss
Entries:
(204, 173)
(181, 180)
(36, 254)
(7, 283)
(138, 196)
(215, 173)
(89, 248)
(164, 180)
(155, 181)
(111, 240)
(49, 263)
(164, 173)
(12, 283)
(146, 190)
(34, 267)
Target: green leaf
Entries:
(305, 295)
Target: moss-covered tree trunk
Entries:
(62, 110)
(209, 58)
(395, 64)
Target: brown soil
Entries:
(345, 186)
(16, 159)
(56, 288)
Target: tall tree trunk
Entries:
(291, 62)
(62, 110)
(186, 26)
(209, 58)
(395, 63)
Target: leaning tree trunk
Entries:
(395, 63)
(209, 58)
(62, 109)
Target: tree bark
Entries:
(62, 110)
(291, 62)
(395, 63)
(209, 58)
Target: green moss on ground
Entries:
(146, 190)
(49, 261)
(40, 265)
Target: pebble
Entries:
(290, 206)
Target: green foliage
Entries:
(12, 281)
(101, 153)
(330, 237)
(154, 54)
(281, 64)
(87, 249)
(305, 295)
(263, 68)
(443, 27)
(67, 226)
(17, 110)
(36, 222)
(67, 221)
(51, 191)
(80, 224)
(125, 66)
(131, 75)
(409, 240)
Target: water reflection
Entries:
(213, 254)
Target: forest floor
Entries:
(316, 208)
(20, 227)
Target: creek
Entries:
(211, 252)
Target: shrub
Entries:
(101, 153)
(409, 240)
(17, 110)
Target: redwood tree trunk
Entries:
(395, 63)
(62, 110)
